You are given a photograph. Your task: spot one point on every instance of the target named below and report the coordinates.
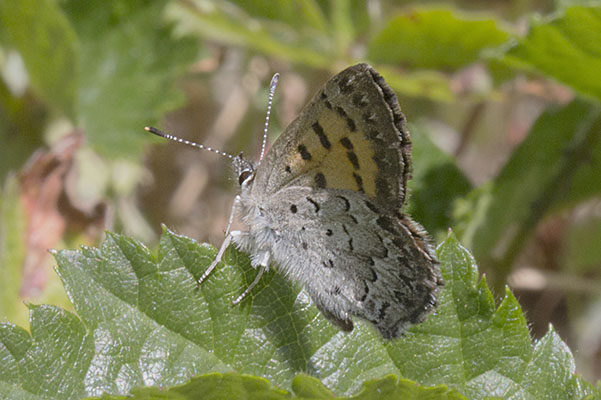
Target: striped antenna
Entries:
(272, 86)
(184, 141)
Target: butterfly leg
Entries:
(232, 213)
(262, 262)
(251, 286)
(224, 246)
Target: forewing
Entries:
(351, 135)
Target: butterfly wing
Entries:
(325, 203)
(353, 258)
(352, 135)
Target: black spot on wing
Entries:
(345, 86)
(350, 238)
(304, 153)
(352, 157)
(320, 180)
(349, 121)
(315, 204)
(351, 125)
(341, 112)
(293, 208)
(372, 207)
(346, 142)
(359, 181)
(374, 276)
(323, 138)
(347, 204)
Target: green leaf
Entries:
(586, 180)
(343, 29)
(218, 386)
(468, 332)
(12, 249)
(300, 14)
(581, 252)
(129, 61)
(481, 351)
(562, 146)
(236, 386)
(307, 386)
(437, 182)
(435, 39)
(319, 36)
(21, 125)
(389, 388)
(46, 41)
(432, 85)
(224, 23)
(143, 322)
(566, 47)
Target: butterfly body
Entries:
(324, 208)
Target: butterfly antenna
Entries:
(184, 141)
(272, 86)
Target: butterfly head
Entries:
(244, 170)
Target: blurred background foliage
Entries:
(503, 100)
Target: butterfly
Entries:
(324, 208)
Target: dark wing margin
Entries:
(400, 123)
(383, 124)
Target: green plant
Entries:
(141, 321)
(108, 68)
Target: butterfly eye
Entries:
(243, 176)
